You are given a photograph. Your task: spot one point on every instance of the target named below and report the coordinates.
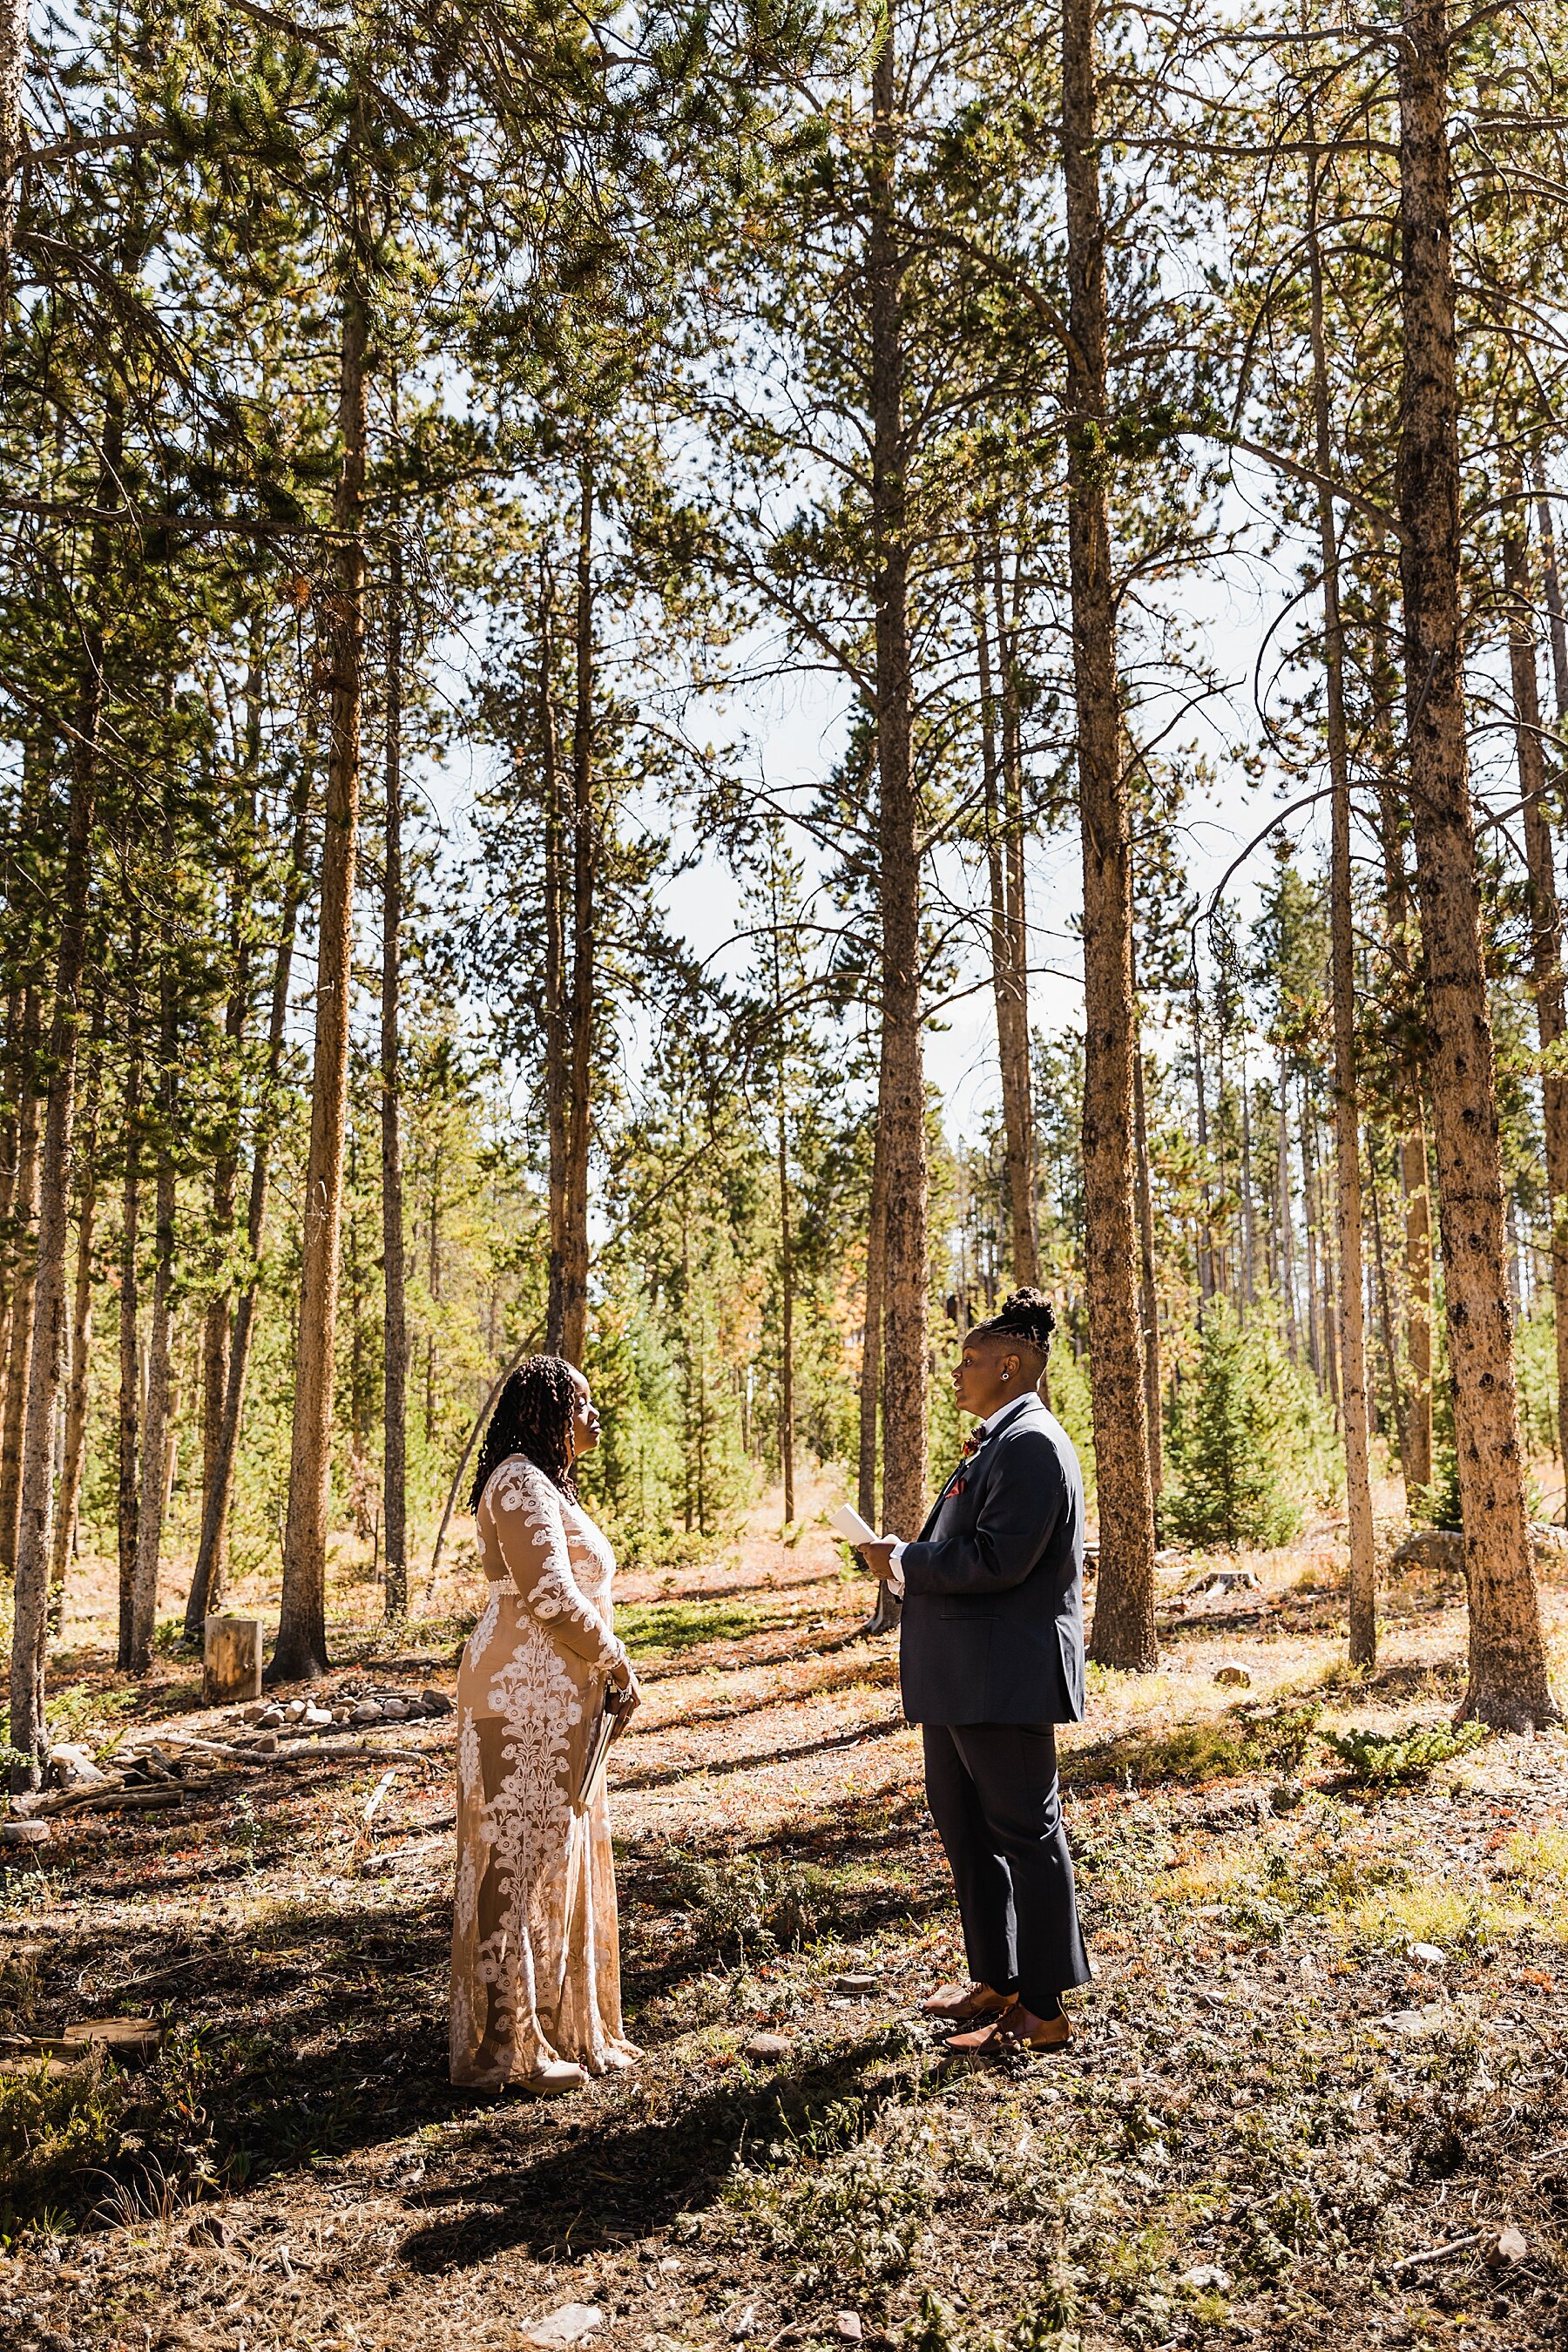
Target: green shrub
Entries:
(96, 2136)
(745, 1904)
(1384, 1756)
(1241, 1439)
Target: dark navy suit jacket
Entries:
(993, 1615)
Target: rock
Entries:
(1235, 1677)
(434, 1702)
(269, 1719)
(1512, 2246)
(1441, 1550)
(316, 1719)
(848, 2325)
(395, 1710)
(1207, 2278)
(766, 2045)
(668, 2266)
(74, 1768)
(295, 1709)
(568, 2325)
(256, 1710)
(368, 1710)
(264, 1744)
(742, 2323)
(857, 1981)
(342, 1715)
(26, 1833)
(1429, 1956)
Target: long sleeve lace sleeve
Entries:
(531, 1533)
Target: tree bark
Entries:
(1509, 1684)
(871, 1342)
(1286, 1221)
(23, 1275)
(556, 1045)
(302, 1646)
(13, 73)
(1362, 1593)
(1009, 954)
(1545, 918)
(46, 1360)
(395, 1324)
(1148, 1294)
(219, 1486)
(787, 1252)
(574, 1243)
(130, 1425)
(902, 1076)
(157, 1419)
(1123, 1634)
(74, 1447)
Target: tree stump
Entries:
(232, 1664)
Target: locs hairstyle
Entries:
(1026, 1315)
(532, 1416)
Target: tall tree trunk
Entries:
(1287, 1217)
(302, 1646)
(1148, 1296)
(556, 1043)
(582, 980)
(1123, 1632)
(1509, 1684)
(1552, 586)
(47, 1362)
(1009, 957)
(1310, 1214)
(1243, 1179)
(871, 1343)
(1546, 919)
(394, 1323)
(1362, 1593)
(158, 1419)
(1385, 1308)
(218, 1324)
(23, 1283)
(130, 1423)
(73, 1452)
(206, 1588)
(901, 1076)
(787, 1252)
(1206, 1222)
(13, 73)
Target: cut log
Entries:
(232, 1661)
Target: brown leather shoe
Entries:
(958, 2004)
(1017, 2029)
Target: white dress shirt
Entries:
(982, 1430)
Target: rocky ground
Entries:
(1318, 2093)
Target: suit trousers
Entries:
(996, 1802)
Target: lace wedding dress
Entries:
(535, 1950)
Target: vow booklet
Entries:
(848, 1523)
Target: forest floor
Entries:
(1317, 2094)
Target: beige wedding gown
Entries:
(535, 1948)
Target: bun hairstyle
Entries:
(533, 1417)
(1026, 1315)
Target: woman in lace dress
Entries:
(536, 1999)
